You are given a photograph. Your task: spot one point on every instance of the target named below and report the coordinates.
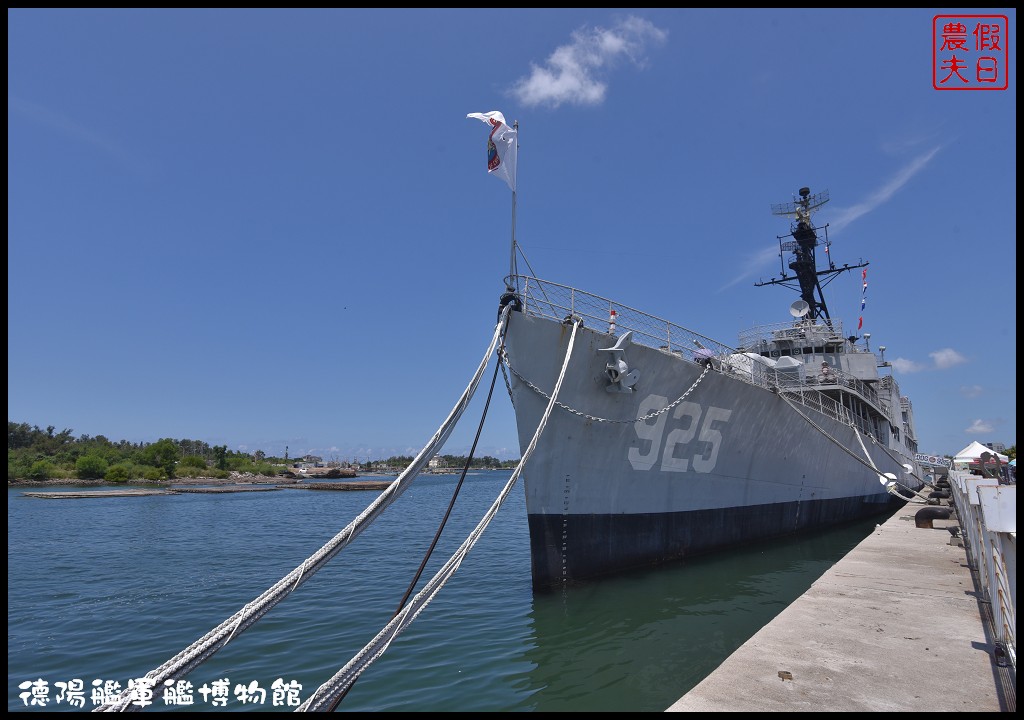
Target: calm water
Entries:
(112, 588)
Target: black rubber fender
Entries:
(510, 298)
(939, 494)
(925, 516)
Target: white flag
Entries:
(501, 147)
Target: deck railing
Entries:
(986, 508)
(545, 299)
(801, 332)
(559, 302)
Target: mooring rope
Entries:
(444, 520)
(200, 651)
(901, 461)
(324, 696)
(868, 464)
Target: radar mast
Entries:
(806, 277)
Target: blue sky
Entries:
(271, 228)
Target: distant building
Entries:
(309, 461)
(998, 447)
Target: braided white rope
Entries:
(324, 697)
(201, 650)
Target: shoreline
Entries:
(67, 488)
(235, 479)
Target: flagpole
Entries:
(512, 258)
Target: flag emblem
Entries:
(493, 159)
(502, 146)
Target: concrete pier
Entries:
(895, 626)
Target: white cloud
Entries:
(971, 391)
(902, 144)
(980, 427)
(883, 194)
(844, 218)
(943, 360)
(902, 365)
(753, 264)
(69, 128)
(571, 72)
(947, 358)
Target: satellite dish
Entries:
(799, 308)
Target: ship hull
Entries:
(626, 479)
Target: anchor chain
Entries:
(504, 358)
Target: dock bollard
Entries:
(925, 516)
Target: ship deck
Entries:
(553, 301)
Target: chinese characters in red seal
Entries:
(970, 52)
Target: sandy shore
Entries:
(234, 479)
(58, 482)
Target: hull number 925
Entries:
(675, 450)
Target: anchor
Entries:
(621, 378)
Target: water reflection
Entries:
(640, 641)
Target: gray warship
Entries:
(666, 444)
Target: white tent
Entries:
(972, 454)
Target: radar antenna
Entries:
(804, 265)
(799, 308)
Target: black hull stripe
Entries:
(574, 548)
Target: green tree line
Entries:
(37, 454)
